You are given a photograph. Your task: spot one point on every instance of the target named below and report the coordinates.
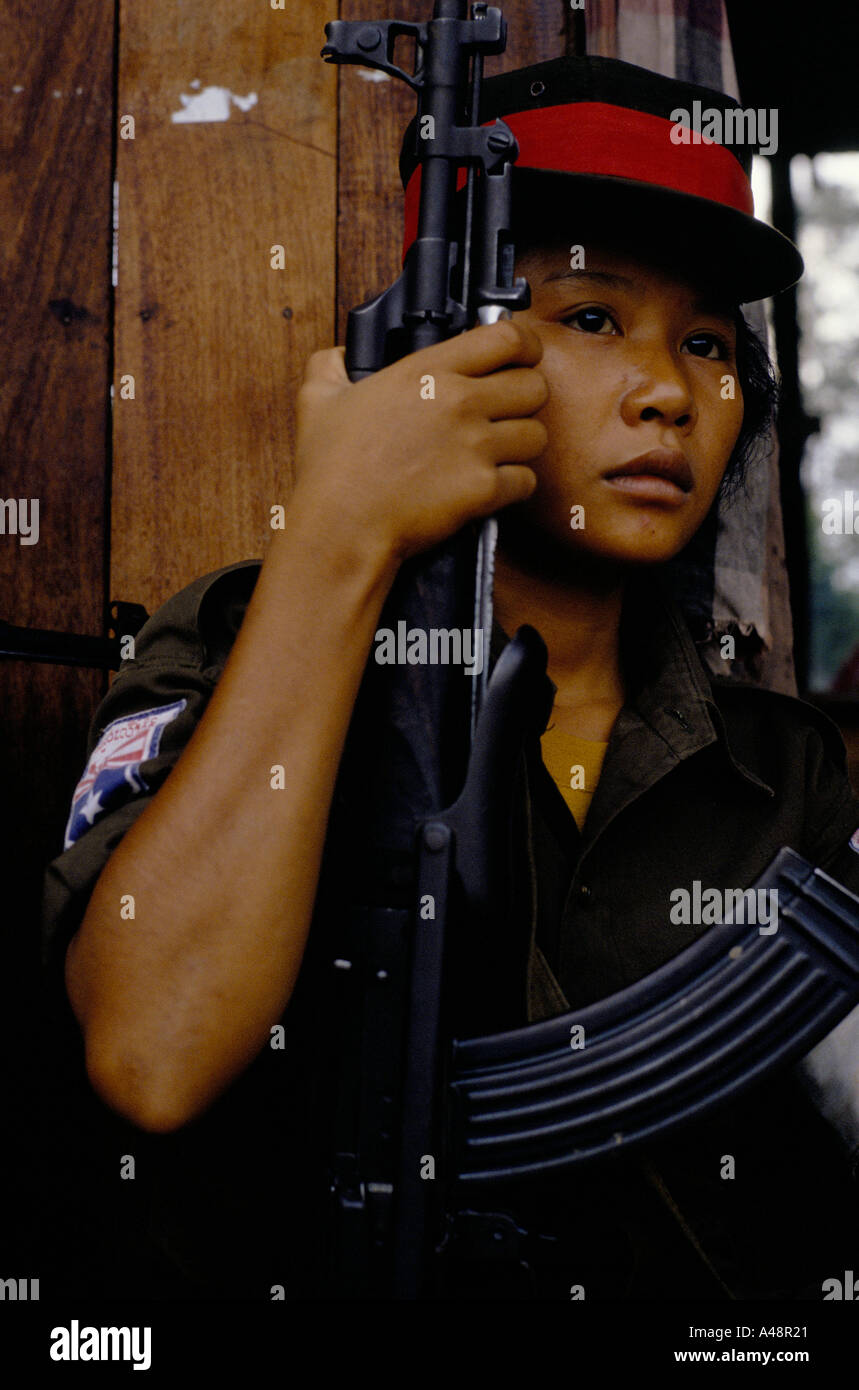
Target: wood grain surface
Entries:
(56, 79)
(214, 337)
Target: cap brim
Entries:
(737, 254)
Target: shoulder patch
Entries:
(854, 840)
(113, 772)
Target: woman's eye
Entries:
(707, 345)
(591, 320)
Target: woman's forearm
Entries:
(223, 865)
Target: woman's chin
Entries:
(630, 541)
(613, 545)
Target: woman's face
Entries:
(636, 363)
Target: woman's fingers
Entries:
(486, 349)
(516, 392)
(516, 441)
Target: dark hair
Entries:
(761, 392)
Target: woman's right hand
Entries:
(389, 466)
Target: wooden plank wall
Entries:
(56, 81)
(213, 336)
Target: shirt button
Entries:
(585, 893)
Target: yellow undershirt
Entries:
(574, 764)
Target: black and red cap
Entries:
(597, 161)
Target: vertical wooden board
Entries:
(56, 82)
(55, 134)
(536, 31)
(215, 339)
(373, 118)
(602, 17)
(56, 78)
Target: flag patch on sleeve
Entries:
(113, 772)
(854, 840)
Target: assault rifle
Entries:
(415, 890)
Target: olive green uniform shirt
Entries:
(702, 780)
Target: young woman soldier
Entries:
(631, 390)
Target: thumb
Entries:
(327, 368)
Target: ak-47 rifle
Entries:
(415, 886)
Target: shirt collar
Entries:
(670, 712)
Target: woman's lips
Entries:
(649, 488)
(662, 475)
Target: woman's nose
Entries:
(662, 392)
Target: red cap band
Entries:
(593, 137)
